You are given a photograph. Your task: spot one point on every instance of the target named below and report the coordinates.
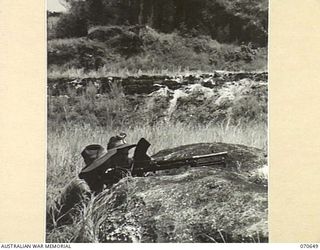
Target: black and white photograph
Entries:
(157, 121)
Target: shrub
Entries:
(76, 52)
(250, 108)
(104, 33)
(73, 23)
(70, 25)
(127, 43)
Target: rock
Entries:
(197, 100)
(240, 158)
(147, 84)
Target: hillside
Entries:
(158, 35)
(139, 48)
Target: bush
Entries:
(196, 109)
(70, 25)
(79, 53)
(74, 23)
(104, 33)
(127, 43)
(250, 108)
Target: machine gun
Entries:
(106, 171)
(142, 163)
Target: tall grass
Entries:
(71, 128)
(65, 144)
(83, 119)
(64, 161)
(67, 139)
(71, 72)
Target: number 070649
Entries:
(309, 245)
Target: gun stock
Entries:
(140, 157)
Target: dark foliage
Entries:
(244, 21)
(74, 23)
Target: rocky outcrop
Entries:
(147, 84)
(195, 99)
(240, 158)
(199, 205)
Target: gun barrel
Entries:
(213, 159)
(209, 155)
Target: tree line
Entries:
(243, 23)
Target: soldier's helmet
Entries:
(96, 156)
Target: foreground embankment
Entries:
(205, 204)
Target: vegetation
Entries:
(114, 109)
(107, 36)
(100, 38)
(107, 49)
(64, 162)
(225, 21)
(77, 120)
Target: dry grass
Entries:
(65, 162)
(58, 72)
(67, 138)
(65, 145)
